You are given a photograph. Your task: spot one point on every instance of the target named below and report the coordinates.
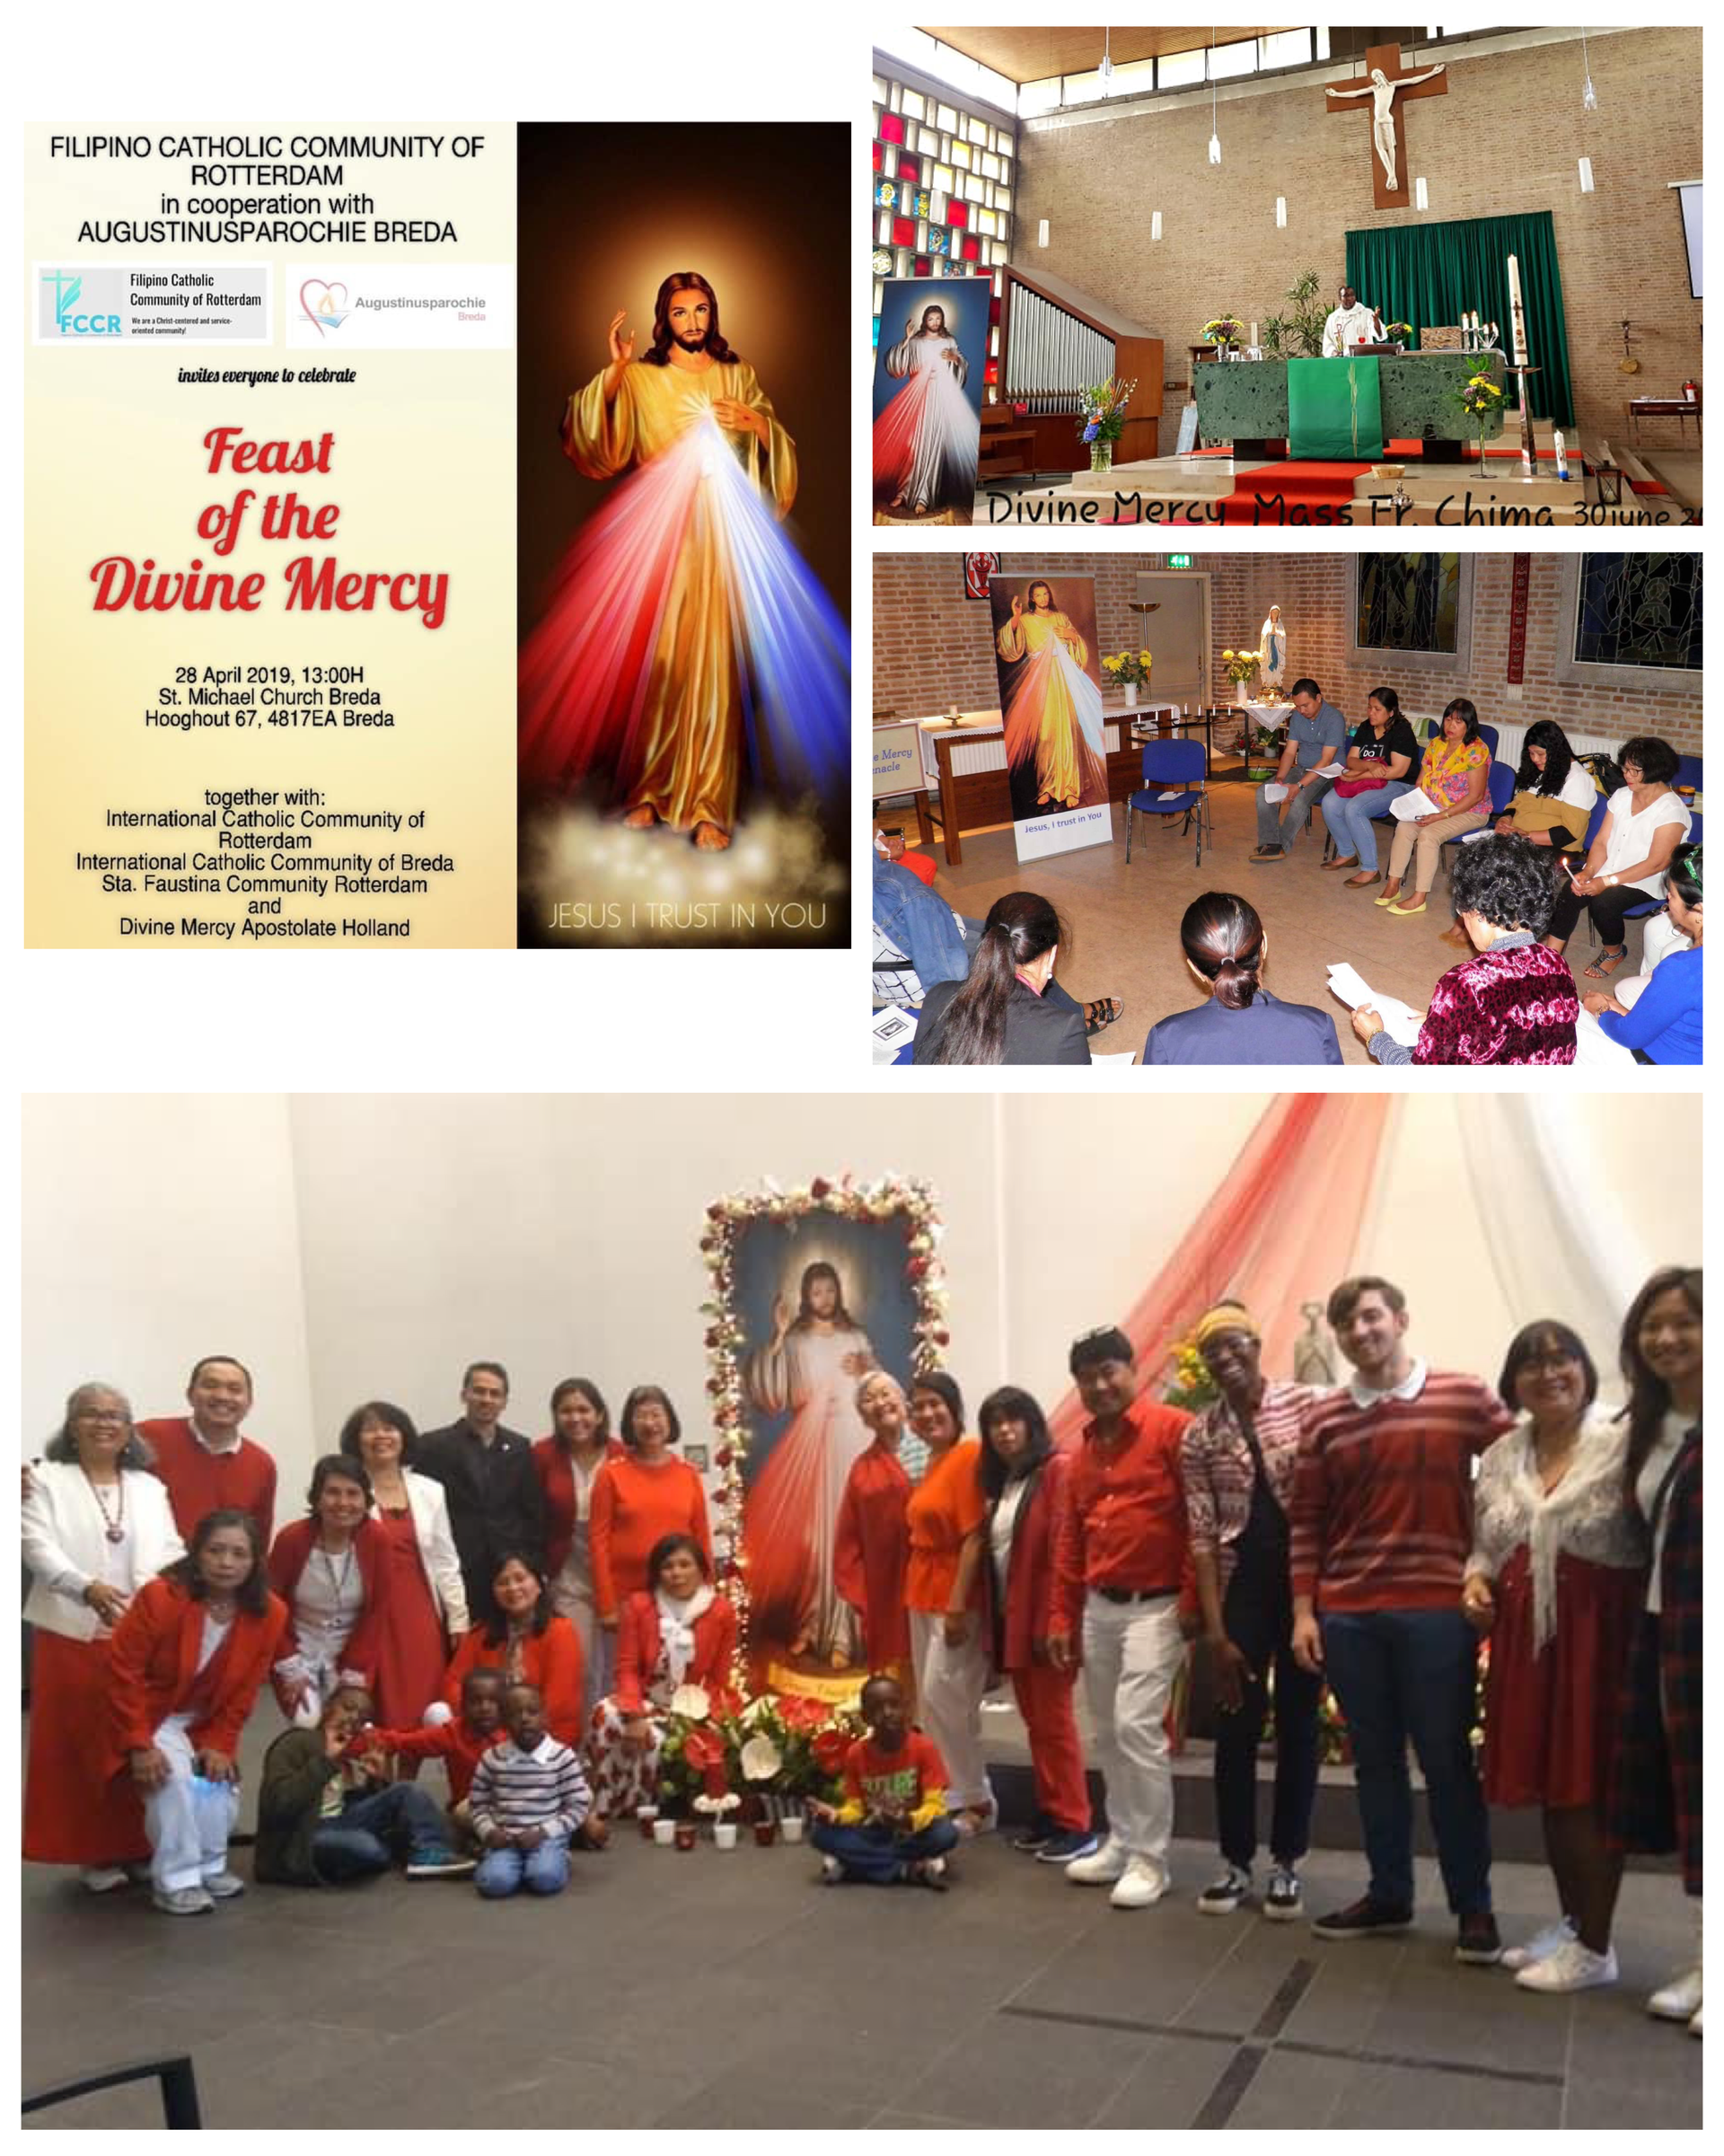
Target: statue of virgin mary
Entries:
(1271, 650)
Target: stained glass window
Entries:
(878, 154)
(990, 373)
(948, 118)
(1639, 609)
(939, 205)
(961, 155)
(887, 194)
(882, 267)
(1409, 602)
(979, 132)
(937, 241)
(909, 168)
(924, 202)
(924, 265)
(891, 128)
(943, 179)
(973, 251)
(914, 104)
(903, 231)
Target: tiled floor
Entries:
(718, 1989)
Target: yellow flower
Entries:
(1227, 654)
(1144, 655)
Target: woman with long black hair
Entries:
(1655, 1794)
(1011, 1009)
(1554, 792)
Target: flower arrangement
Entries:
(899, 1197)
(1131, 666)
(791, 1747)
(1103, 409)
(694, 1756)
(1240, 665)
(1397, 332)
(1479, 396)
(1191, 1385)
(1225, 330)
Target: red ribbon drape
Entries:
(1281, 1228)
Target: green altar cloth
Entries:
(1247, 399)
(1335, 409)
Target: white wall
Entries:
(349, 1245)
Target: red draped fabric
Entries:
(1282, 1226)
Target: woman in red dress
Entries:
(871, 1542)
(1555, 1577)
(97, 1526)
(426, 1600)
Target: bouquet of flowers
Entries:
(694, 1758)
(1397, 332)
(1479, 396)
(1127, 666)
(791, 1747)
(1191, 1385)
(1226, 329)
(1240, 665)
(1103, 407)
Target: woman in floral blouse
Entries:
(1456, 774)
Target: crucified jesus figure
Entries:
(1381, 91)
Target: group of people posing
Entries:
(526, 1613)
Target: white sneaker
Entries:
(223, 1886)
(1102, 1869)
(1540, 1947)
(1141, 1882)
(1573, 1967)
(1679, 2000)
(102, 1878)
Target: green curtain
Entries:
(1429, 273)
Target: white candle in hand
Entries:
(1516, 317)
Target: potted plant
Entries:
(1262, 751)
(1298, 333)
(1102, 408)
(1397, 333)
(1128, 669)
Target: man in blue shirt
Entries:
(1311, 762)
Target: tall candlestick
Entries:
(1517, 320)
(1254, 335)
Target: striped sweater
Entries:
(1383, 1508)
(515, 1789)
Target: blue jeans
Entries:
(871, 1853)
(919, 923)
(360, 1842)
(1401, 1674)
(1349, 821)
(541, 1870)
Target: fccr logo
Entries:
(68, 288)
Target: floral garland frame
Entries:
(845, 1197)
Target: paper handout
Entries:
(1399, 1020)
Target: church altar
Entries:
(1245, 401)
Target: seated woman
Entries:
(1513, 1001)
(1226, 944)
(1660, 1021)
(97, 1525)
(189, 1656)
(336, 1571)
(1553, 800)
(1645, 821)
(529, 1643)
(1382, 760)
(1011, 1009)
(680, 1631)
(1456, 775)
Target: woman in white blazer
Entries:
(97, 1525)
(428, 1604)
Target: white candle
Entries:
(1516, 317)
(1254, 334)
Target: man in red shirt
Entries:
(1381, 1526)
(1121, 1558)
(208, 1465)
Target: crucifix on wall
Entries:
(1385, 83)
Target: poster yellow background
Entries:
(423, 470)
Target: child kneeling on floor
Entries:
(528, 1797)
(890, 1822)
(324, 1818)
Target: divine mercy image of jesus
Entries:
(685, 671)
(1050, 698)
(928, 414)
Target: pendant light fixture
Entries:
(1107, 68)
(1215, 138)
(1155, 224)
(1588, 95)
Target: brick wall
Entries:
(1504, 140)
(933, 647)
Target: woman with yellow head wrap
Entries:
(1238, 1461)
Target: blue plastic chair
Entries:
(1488, 735)
(1688, 772)
(1168, 765)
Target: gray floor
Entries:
(727, 1989)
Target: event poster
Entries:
(307, 467)
(929, 369)
(1048, 660)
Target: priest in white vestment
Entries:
(1349, 324)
